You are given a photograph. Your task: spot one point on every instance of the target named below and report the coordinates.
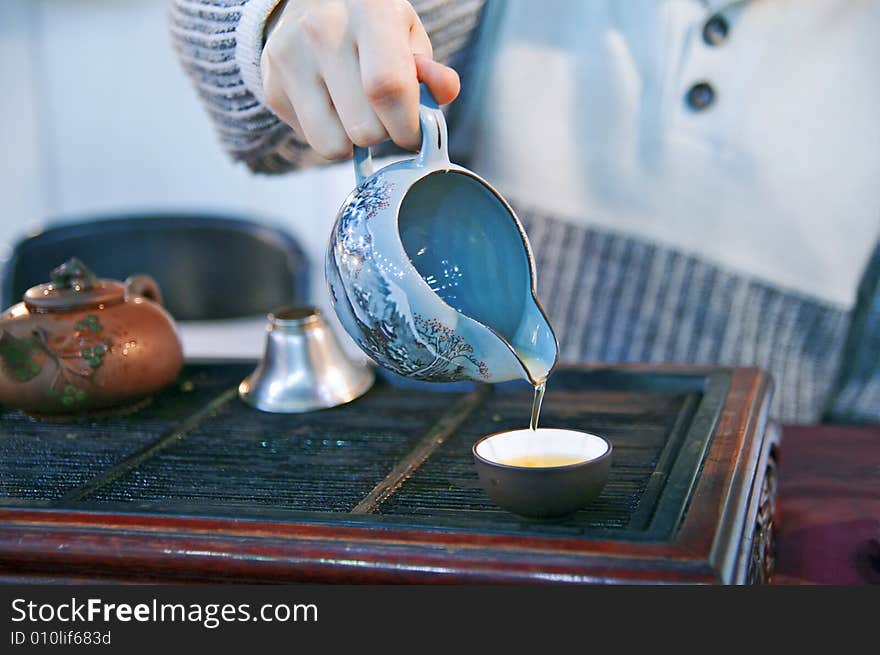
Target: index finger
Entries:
(388, 70)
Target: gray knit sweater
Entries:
(611, 297)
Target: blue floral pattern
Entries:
(374, 309)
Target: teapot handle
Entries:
(143, 285)
(434, 150)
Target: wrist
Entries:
(250, 35)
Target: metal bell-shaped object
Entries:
(304, 368)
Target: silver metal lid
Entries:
(303, 367)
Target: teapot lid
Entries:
(73, 286)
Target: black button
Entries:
(715, 30)
(700, 96)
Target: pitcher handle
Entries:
(434, 151)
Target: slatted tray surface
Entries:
(196, 449)
(50, 459)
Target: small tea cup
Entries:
(546, 473)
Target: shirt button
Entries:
(715, 30)
(700, 96)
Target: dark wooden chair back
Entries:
(207, 267)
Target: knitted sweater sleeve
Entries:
(219, 43)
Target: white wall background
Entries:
(97, 117)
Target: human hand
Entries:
(347, 71)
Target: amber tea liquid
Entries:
(542, 461)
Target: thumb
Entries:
(442, 80)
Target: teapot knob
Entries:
(73, 274)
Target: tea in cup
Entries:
(546, 473)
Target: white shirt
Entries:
(580, 110)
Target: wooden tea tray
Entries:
(199, 486)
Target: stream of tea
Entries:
(540, 460)
(536, 404)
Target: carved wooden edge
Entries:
(130, 545)
(752, 556)
(758, 551)
(732, 470)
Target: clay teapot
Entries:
(79, 344)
